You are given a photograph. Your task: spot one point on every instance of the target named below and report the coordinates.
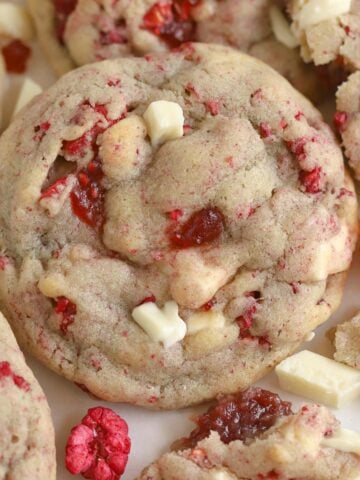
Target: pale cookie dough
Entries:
(27, 438)
(299, 445)
(347, 342)
(93, 30)
(248, 216)
(328, 31)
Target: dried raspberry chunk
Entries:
(170, 20)
(63, 9)
(311, 180)
(203, 226)
(239, 417)
(67, 309)
(54, 189)
(16, 55)
(6, 371)
(99, 446)
(340, 120)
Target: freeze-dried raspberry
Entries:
(311, 180)
(340, 120)
(98, 448)
(67, 310)
(16, 55)
(6, 371)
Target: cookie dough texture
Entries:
(27, 439)
(254, 149)
(240, 24)
(347, 342)
(290, 449)
(348, 107)
(335, 39)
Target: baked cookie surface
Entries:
(246, 224)
(274, 444)
(77, 32)
(347, 342)
(27, 439)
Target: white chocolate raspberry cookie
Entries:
(256, 436)
(347, 342)
(347, 119)
(77, 32)
(169, 233)
(27, 439)
(328, 31)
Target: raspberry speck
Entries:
(209, 305)
(240, 417)
(340, 120)
(265, 130)
(7, 372)
(171, 21)
(98, 448)
(213, 107)
(311, 180)
(67, 309)
(16, 55)
(4, 261)
(149, 299)
(54, 189)
(202, 227)
(175, 214)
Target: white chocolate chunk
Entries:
(316, 11)
(310, 337)
(52, 285)
(164, 121)
(344, 440)
(205, 320)
(28, 91)
(162, 325)
(221, 474)
(15, 22)
(281, 28)
(319, 378)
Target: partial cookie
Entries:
(347, 119)
(328, 31)
(78, 32)
(27, 439)
(347, 342)
(170, 234)
(256, 436)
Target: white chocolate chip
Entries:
(162, 325)
(55, 202)
(29, 90)
(344, 440)
(15, 21)
(310, 337)
(318, 378)
(316, 11)
(52, 285)
(281, 28)
(205, 320)
(164, 121)
(221, 474)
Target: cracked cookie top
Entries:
(27, 439)
(162, 225)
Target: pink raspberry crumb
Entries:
(311, 180)
(6, 371)
(175, 214)
(265, 130)
(340, 120)
(67, 310)
(98, 447)
(213, 107)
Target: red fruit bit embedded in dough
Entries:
(16, 55)
(40, 131)
(170, 20)
(213, 107)
(116, 36)
(209, 305)
(311, 180)
(340, 120)
(4, 262)
(265, 130)
(98, 448)
(175, 214)
(203, 226)
(63, 9)
(54, 189)
(87, 197)
(273, 475)
(149, 299)
(67, 309)
(7, 372)
(240, 417)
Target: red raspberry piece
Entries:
(99, 446)
(209, 305)
(4, 262)
(340, 120)
(67, 309)
(87, 197)
(175, 214)
(149, 299)
(6, 371)
(213, 107)
(202, 227)
(239, 417)
(273, 475)
(265, 130)
(53, 189)
(16, 55)
(170, 20)
(311, 180)
(63, 9)
(116, 36)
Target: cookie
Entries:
(347, 119)
(170, 234)
(27, 439)
(76, 32)
(347, 341)
(255, 436)
(329, 32)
